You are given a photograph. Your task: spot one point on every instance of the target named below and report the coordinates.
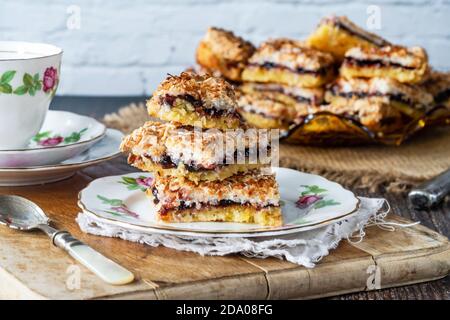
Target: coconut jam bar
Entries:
(439, 86)
(222, 51)
(247, 198)
(289, 62)
(275, 110)
(263, 111)
(378, 103)
(286, 94)
(174, 151)
(336, 35)
(407, 65)
(195, 100)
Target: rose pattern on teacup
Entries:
(46, 139)
(30, 83)
(5, 79)
(26, 69)
(50, 79)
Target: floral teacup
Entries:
(29, 76)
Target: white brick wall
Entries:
(127, 47)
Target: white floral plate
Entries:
(63, 136)
(308, 201)
(106, 149)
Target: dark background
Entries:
(92, 106)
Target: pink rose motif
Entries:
(125, 210)
(304, 202)
(49, 142)
(50, 78)
(145, 182)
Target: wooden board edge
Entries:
(149, 294)
(341, 292)
(254, 285)
(413, 269)
(304, 282)
(249, 286)
(421, 268)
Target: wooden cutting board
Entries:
(30, 267)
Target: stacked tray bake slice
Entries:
(379, 83)
(222, 53)
(438, 85)
(353, 82)
(195, 100)
(380, 87)
(405, 65)
(278, 82)
(283, 82)
(206, 167)
(380, 104)
(337, 35)
(171, 151)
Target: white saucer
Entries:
(63, 136)
(106, 149)
(308, 201)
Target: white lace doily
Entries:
(303, 248)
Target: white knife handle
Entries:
(106, 269)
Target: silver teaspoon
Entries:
(21, 214)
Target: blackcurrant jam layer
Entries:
(270, 65)
(198, 105)
(374, 63)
